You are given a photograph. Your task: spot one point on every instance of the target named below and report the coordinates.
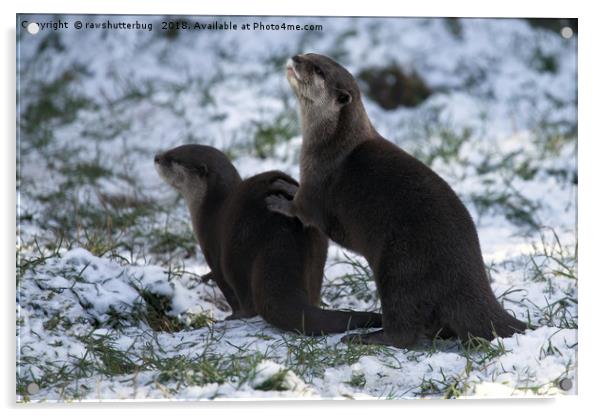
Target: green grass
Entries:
(358, 380)
(392, 86)
(543, 62)
(308, 357)
(266, 134)
(30, 256)
(510, 203)
(52, 103)
(154, 310)
(358, 283)
(276, 382)
(103, 357)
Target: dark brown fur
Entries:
(370, 196)
(263, 262)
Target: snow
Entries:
(215, 88)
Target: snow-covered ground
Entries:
(110, 300)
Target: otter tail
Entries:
(489, 322)
(297, 315)
(505, 325)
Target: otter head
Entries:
(197, 170)
(320, 82)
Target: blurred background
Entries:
(489, 104)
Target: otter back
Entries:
(275, 265)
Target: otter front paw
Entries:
(374, 338)
(209, 276)
(280, 204)
(287, 188)
(237, 315)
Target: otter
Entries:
(372, 197)
(264, 263)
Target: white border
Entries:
(590, 209)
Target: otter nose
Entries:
(297, 59)
(158, 158)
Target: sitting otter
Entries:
(263, 262)
(370, 196)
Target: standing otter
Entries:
(370, 196)
(263, 262)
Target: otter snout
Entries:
(164, 168)
(170, 171)
(161, 158)
(292, 72)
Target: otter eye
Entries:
(318, 71)
(201, 170)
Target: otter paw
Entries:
(374, 338)
(352, 338)
(234, 316)
(285, 187)
(237, 315)
(208, 277)
(280, 204)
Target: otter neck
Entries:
(328, 138)
(205, 211)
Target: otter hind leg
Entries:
(317, 321)
(309, 320)
(381, 337)
(404, 316)
(373, 338)
(358, 319)
(238, 311)
(491, 322)
(240, 314)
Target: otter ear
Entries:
(202, 170)
(343, 97)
